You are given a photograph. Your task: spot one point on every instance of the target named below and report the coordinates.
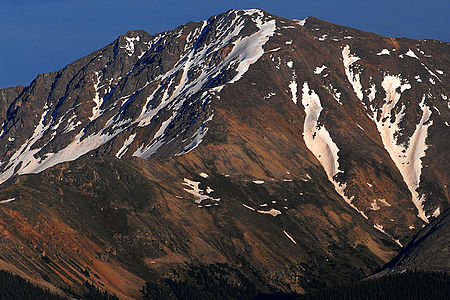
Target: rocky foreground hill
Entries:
(275, 155)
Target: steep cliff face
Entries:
(298, 151)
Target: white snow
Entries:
(384, 52)
(411, 53)
(249, 207)
(293, 88)
(273, 50)
(374, 205)
(301, 22)
(440, 72)
(398, 242)
(7, 200)
(437, 212)
(197, 192)
(437, 110)
(126, 143)
(323, 37)
(379, 227)
(407, 157)
(244, 52)
(319, 70)
(319, 142)
(270, 95)
(418, 78)
(197, 138)
(354, 78)
(289, 42)
(98, 102)
(290, 64)
(431, 80)
(431, 72)
(385, 203)
(130, 44)
(335, 93)
(370, 185)
(290, 237)
(204, 175)
(273, 212)
(258, 181)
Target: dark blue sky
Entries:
(44, 35)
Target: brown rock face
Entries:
(296, 153)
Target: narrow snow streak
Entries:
(124, 148)
(293, 88)
(7, 200)
(353, 78)
(290, 237)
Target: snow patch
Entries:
(374, 205)
(385, 203)
(319, 70)
(293, 88)
(197, 192)
(204, 175)
(411, 53)
(384, 52)
(437, 212)
(301, 22)
(258, 181)
(273, 212)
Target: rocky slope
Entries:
(427, 251)
(297, 152)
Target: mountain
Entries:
(427, 251)
(272, 155)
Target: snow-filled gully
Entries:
(406, 156)
(320, 143)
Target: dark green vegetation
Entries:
(15, 287)
(216, 281)
(409, 285)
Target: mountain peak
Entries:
(297, 131)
